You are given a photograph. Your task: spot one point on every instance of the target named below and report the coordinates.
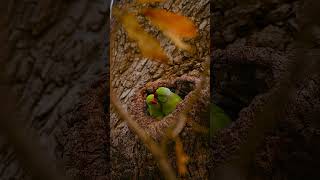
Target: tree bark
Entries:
(129, 72)
(56, 51)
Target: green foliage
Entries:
(218, 119)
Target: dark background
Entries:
(54, 65)
(54, 51)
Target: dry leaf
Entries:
(179, 42)
(148, 45)
(182, 157)
(149, 1)
(174, 26)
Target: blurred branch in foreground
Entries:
(154, 148)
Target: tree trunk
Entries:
(129, 72)
(56, 52)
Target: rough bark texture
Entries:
(84, 140)
(56, 52)
(286, 152)
(264, 24)
(269, 23)
(129, 72)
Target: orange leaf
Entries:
(179, 42)
(182, 158)
(149, 46)
(175, 24)
(150, 1)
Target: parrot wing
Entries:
(155, 111)
(171, 104)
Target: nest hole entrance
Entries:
(235, 85)
(182, 87)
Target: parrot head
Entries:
(162, 94)
(151, 99)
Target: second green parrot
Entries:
(167, 99)
(154, 108)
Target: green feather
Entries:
(167, 99)
(154, 110)
(218, 119)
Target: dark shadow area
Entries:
(237, 84)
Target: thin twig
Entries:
(157, 150)
(154, 148)
(193, 98)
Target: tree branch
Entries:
(154, 148)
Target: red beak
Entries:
(154, 101)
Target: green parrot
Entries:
(167, 99)
(154, 108)
(218, 119)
